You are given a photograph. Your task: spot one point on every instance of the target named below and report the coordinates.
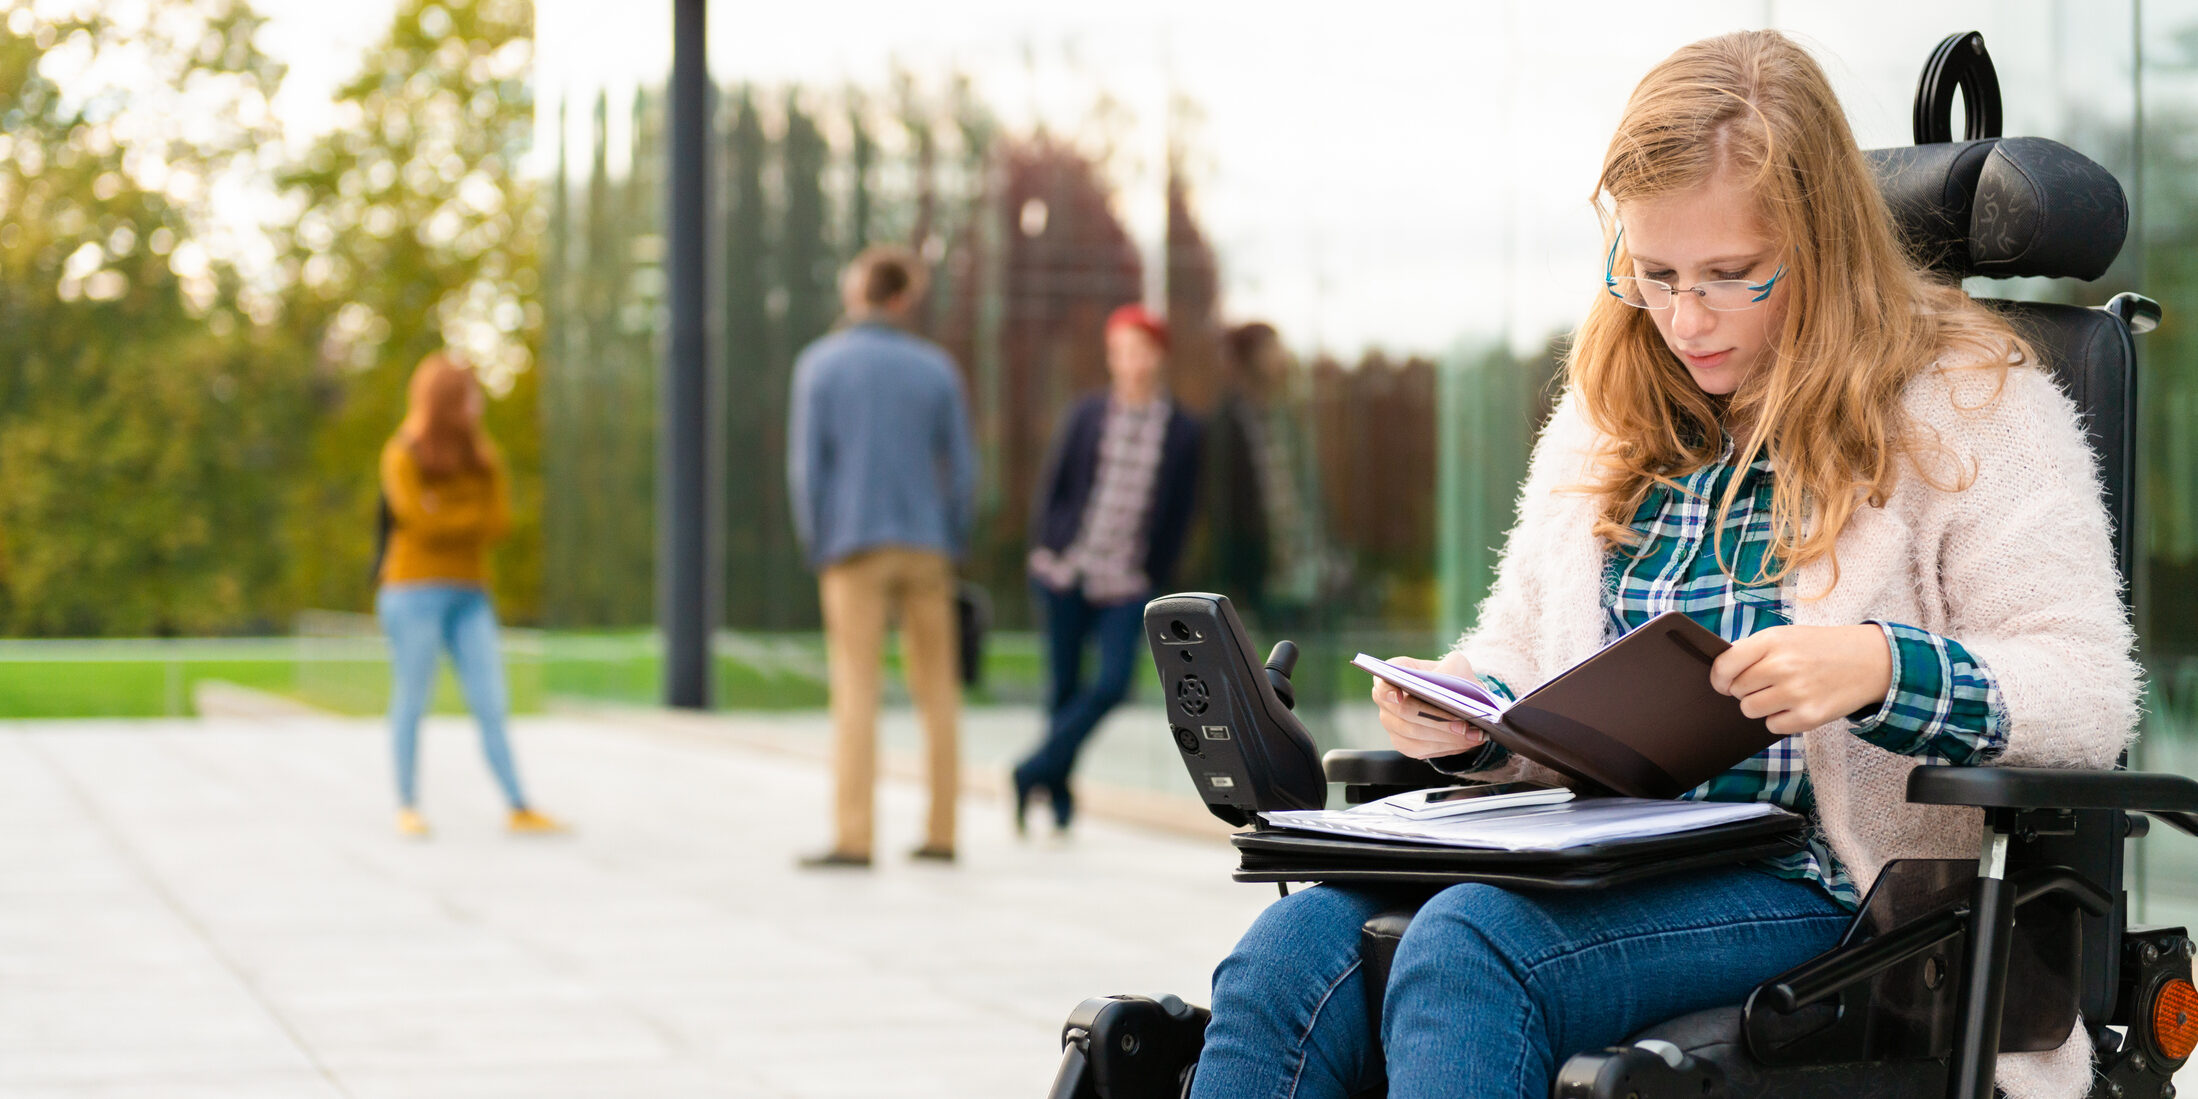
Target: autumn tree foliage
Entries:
(147, 420)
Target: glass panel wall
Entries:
(599, 139)
(1403, 196)
(2166, 201)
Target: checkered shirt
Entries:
(1108, 554)
(1943, 705)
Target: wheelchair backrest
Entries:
(2026, 206)
(2029, 207)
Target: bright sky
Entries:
(1398, 173)
(322, 42)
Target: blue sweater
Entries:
(878, 450)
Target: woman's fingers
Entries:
(1412, 712)
(1763, 703)
(1421, 747)
(1732, 665)
(1421, 741)
(1784, 711)
(1427, 730)
(1430, 749)
(1415, 728)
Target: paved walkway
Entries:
(221, 909)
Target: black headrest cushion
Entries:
(2003, 207)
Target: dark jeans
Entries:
(1073, 708)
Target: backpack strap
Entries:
(385, 521)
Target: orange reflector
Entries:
(2175, 1018)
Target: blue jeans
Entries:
(1074, 709)
(422, 620)
(1492, 989)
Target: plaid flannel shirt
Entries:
(1108, 553)
(1943, 705)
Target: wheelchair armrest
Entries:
(1381, 767)
(2171, 798)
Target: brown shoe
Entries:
(928, 853)
(833, 860)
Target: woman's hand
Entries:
(1799, 677)
(1411, 730)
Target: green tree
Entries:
(809, 258)
(599, 377)
(747, 357)
(146, 416)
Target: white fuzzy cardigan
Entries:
(2018, 567)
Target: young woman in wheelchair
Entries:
(1774, 421)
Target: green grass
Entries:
(67, 679)
(760, 672)
(143, 688)
(349, 674)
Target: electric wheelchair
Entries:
(1915, 1000)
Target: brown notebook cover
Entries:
(1638, 718)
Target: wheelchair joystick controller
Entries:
(1231, 716)
(1280, 663)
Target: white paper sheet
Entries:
(1534, 828)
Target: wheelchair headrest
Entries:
(2004, 206)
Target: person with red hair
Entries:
(443, 485)
(1112, 511)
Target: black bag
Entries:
(385, 521)
(973, 616)
(1283, 855)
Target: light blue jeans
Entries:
(421, 621)
(1492, 989)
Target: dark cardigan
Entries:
(1073, 468)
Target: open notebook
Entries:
(1638, 718)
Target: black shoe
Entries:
(833, 860)
(928, 853)
(1022, 802)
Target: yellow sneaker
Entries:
(411, 824)
(527, 822)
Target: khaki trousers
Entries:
(859, 593)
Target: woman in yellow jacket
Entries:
(444, 484)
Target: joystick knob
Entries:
(1280, 663)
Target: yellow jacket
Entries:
(444, 528)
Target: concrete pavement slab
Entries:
(223, 908)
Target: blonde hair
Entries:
(1862, 319)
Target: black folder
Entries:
(1281, 855)
(1638, 718)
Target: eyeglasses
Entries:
(1723, 295)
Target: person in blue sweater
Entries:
(883, 476)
